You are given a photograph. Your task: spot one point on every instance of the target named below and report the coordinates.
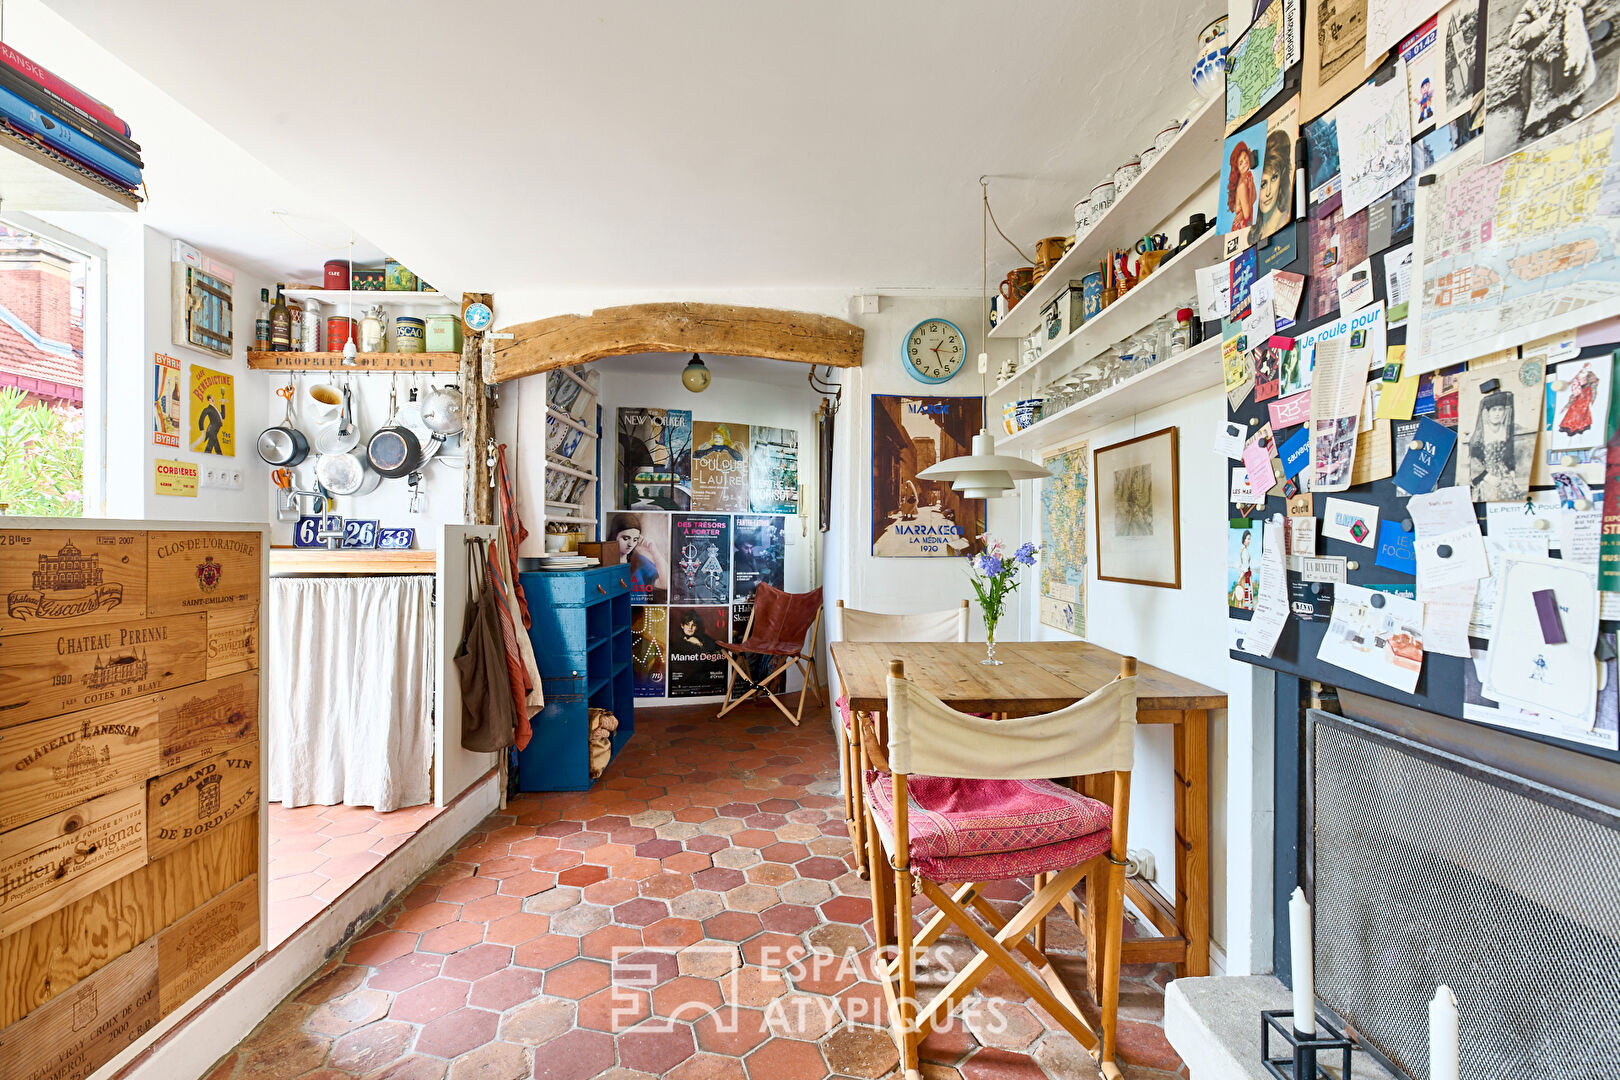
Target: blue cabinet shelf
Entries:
(580, 628)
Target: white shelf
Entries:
(371, 297)
(1170, 284)
(570, 470)
(1185, 166)
(570, 520)
(1185, 373)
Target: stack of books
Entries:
(67, 121)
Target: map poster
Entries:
(719, 467)
(1063, 538)
(922, 518)
(700, 545)
(1257, 62)
(213, 411)
(697, 666)
(773, 471)
(655, 459)
(649, 642)
(166, 395)
(1515, 250)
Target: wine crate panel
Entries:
(202, 946)
(201, 571)
(233, 641)
(205, 719)
(60, 578)
(86, 1027)
(189, 803)
(62, 671)
(52, 764)
(54, 861)
(45, 960)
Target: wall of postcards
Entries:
(702, 518)
(1420, 308)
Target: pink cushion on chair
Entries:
(844, 713)
(980, 830)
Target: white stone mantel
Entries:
(1214, 1024)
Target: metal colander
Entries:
(1430, 869)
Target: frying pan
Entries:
(347, 474)
(394, 450)
(283, 445)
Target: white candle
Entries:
(1299, 923)
(1443, 1056)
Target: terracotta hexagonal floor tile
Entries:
(429, 1000)
(990, 1064)
(489, 908)
(406, 971)
(822, 866)
(537, 1021)
(505, 988)
(737, 858)
(455, 1033)
(698, 904)
(863, 1052)
(582, 875)
(641, 911)
(731, 1031)
(378, 949)
(772, 874)
(517, 929)
(708, 1067)
(492, 1061)
(527, 883)
(786, 1059)
(452, 937)
(672, 933)
(610, 941)
(616, 1009)
(1003, 1025)
(427, 917)
(354, 1010)
(753, 987)
(687, 862)
(411, 1067)
(581, 919)
(752, 898)
(656, 1047)
(658, 849)
(718, 878)
(291, 1054)
(707, 843)
(863, 1005)
(546, 952)
(774, 951)
(790, 918)
(847, 909)
(686, 998)
(645, 968)
(733, 925)
(372, 1047)
(709, 959)
(577, 979)
(666, 885)
(467, 889)
(578, 1055)
(801, 1016)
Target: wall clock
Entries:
(933, 351)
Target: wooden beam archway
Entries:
(715, 329)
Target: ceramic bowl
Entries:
(1209, 70)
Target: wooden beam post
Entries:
(715, 329)
(479, 425)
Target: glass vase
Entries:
(990, 645)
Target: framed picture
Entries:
(1138, 510)
(913, 517)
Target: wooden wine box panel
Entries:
(58, 859)
(45, 960)
(60, 578)
(202, 946)
(189, 803)
(62, 671)
(78, 1032)
(233, 641)
(205, 719)
(52, 764)
(201, 571)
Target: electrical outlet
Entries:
(220, 477)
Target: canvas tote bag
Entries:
(488, 713)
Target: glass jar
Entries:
(1181, 336)
(1162, 330)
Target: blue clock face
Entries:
(934, 351)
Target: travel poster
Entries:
(912, 517)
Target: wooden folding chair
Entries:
(782, 627)
(966, 803)
(854, 624)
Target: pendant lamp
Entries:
(984, 474)
(695, 375)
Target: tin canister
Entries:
(367, 279)
(337, 274)
(396, 278)
(338, 329)
(1091, 294)
(443, 333)
(410, 334)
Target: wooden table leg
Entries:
(1192, 839)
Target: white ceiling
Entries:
(709, 144)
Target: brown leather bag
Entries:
(488, 714)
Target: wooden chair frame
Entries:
(1003, 943)
(854, 769)
(804, 660)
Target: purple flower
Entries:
(1026, 553)
(989, 564)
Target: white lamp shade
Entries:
(984, 474)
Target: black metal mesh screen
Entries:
(1429, 869)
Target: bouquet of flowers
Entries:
(994, 574)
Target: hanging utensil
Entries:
(441, 412)
(286, 498)
(393, 449)
(347, 474)
(343, 434)
(284, 444)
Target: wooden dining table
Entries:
(1042, 676)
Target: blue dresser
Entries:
(581, 634)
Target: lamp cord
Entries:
(985, 184)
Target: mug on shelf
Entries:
(1082, 217)
(1102, 197)
(1017, 284)
(1126, 175)
(1148, 157)
(1162, 141)
(1049, 250)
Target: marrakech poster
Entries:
(914, 518)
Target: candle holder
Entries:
(1301, 1063)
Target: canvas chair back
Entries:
(1094, 735)
(783, 618)
(950, 624)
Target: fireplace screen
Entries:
(1431, 869)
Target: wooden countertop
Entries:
(1038, 676)
(286, 560)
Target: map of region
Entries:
(1255, 65)
(1063, 538)
(1516, 250)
